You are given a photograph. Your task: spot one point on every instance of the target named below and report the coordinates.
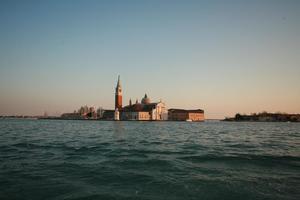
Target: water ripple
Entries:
(42, 159)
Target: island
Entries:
(265, 117)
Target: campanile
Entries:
(118, 95)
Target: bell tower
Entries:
(118, 95)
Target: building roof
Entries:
(138, 107)
(119, 82)
(173, 110)
(146, 100)
(109, 111)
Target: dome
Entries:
(146, 100)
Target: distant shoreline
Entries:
(260, 117)
(104, 120)
(116, 120)
(264, 117)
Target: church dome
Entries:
(146, 100)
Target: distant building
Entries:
(72, 116)
(266, 117)
(117, 115)
(108, 115)
(145, 110)
(84, 112)
(148, 111)
(185, 115)
(118, 95)
(100, 112)
(138, 111)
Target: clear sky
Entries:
(221, 56)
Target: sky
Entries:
(225, 57)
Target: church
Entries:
(140, 111)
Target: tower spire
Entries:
(119, 81)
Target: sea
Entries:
(57, 159)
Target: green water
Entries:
(42, 159)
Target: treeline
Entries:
(266, 117)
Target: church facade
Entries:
(140, 111)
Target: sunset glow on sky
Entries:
(221, 56)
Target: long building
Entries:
(185, 115)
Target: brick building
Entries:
(185, 115)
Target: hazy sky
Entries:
(221, 56)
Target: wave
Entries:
(247, 158)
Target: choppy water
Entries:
(42, 159)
